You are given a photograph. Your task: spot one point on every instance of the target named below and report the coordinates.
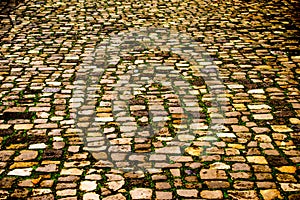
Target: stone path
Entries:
(180, 99)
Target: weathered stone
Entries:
(287, 169)
(5, 155)
(26, 155)
(66, 192)
(163, 195)
(212, 174)
(71, 171)
(115, 185)
(281, 128)
(187, 193)
(141, 193)
(247, 194)
(257, 159)
(209, 109)
(91, 196)
(20, 172)
(7, 182)
(88, 185)
(207, 194)
(115, 197)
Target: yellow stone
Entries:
(179, 126)
(281, 128)
(17, 146)
(194, 151)
(236, 146)
(104, 109)
(103, 114)
(294, 120)
(287, 169)
(48, 162)
(22, 165)
(195, 68)
(257, 159)
(36, 181)
(295, 57)
(239, 106)
(271, 194)
(263, 67)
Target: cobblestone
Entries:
(208, 109)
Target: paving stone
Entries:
(46, 197)
(293, 196)
(7, 182)
(169, 150)
(47, 183)
(40, 191)
(281, 128)
(187, 193)
(212, 174)
(5, 155)
(37, 146)
(162, 185)
(115, 185)
(287, 169)
(277, 160)
(20, 193)
(258, 107)
(207, 194)
(71, 171)
(115, 197)
(245, 57)
(248, 194)
(141, 193)
(48, 168)
(240, 175)
(52, 154)
(26, 155)
(22, 164)
(290, 187)
(163, 195)
(219, 165)
(263, 116)
(265, 185)
(217, 184)
(237, 128)
(65, 185)
(285, 178)
(23, 126)
(240, 167)
(243, 185)
(20, 172)
(88, 185)
(90, 196)
(257, 159)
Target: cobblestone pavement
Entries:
(70, 124)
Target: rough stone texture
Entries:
(141, 193)
(47, 59)
(115, 197)
(206, 194)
